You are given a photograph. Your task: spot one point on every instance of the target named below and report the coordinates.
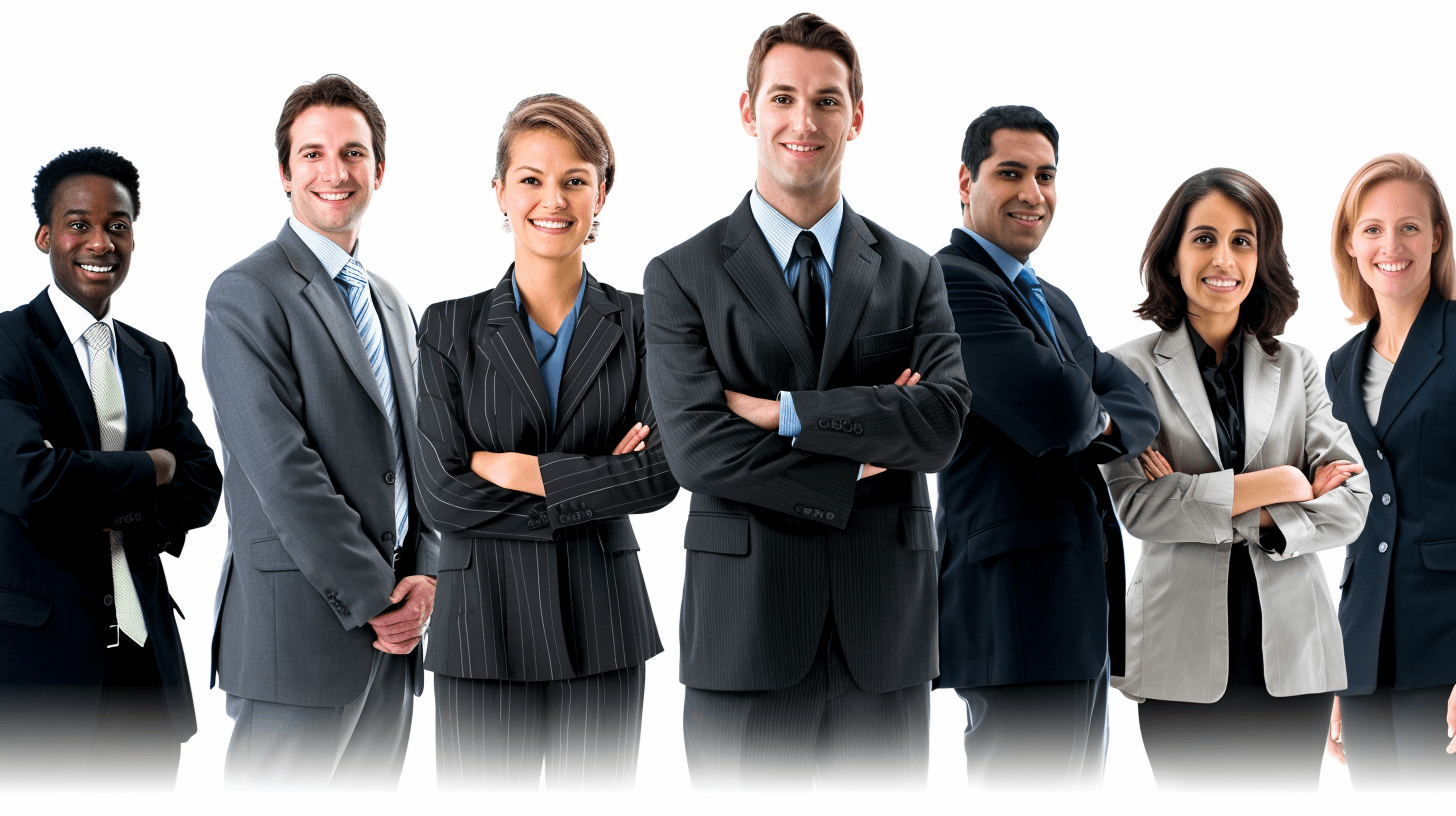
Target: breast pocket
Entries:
(880, 358)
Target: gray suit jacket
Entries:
(1177, 607)
(308, 461)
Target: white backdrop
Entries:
(1144, 96)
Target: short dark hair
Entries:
(331, 91)
(811, 32)
(87, 161)
(977, 145)
(567, 117)
(1273, 298)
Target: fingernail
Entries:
(1450, 732)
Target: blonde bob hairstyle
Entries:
(1357, 295)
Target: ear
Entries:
(1437, 234)
(500, 193)
(857, 122)
(601, 198)
(745, 115)
(963, 177)
(43, 238)
(284, 177)
(378, 175)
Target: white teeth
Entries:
(1027, 218)
(333, 196)
(550, 224)
(802, 148)
(1392, 267)
(90, 268)
(1221, 283)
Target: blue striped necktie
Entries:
(1027, 284)
(355, 286)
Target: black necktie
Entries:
(809, 291)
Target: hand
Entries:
(513, 471)
(398, 629)
(1331, 475)
(1335, 740)
(763, 413)
(634, 440)
(165, 465)
(870, 470)
(1154, 465)
(1451, 721)
(907, 378)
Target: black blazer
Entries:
(55, 501)
(1031, 572)
(780, 535)
(1412, 512)
(532, 588)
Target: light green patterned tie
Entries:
(111, 417)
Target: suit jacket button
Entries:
(587, 514)
(1383, 547)
(829, 516)
(1385, 499)
(1380, 454)
(107, 598)
(824, 423)
(857, 429)
(389, 477)
(387, 538)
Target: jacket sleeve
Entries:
(457, 502)
(712, 450)
(913, 428)
(608, 485)
(1179, 507)
(257, 396)
(190, 499)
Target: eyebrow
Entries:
(316, 146)
(827, 90)
(78, 211)
(543, 172)
(1215, 229)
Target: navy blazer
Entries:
(1030, 548)
(1409, 542)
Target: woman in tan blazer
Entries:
(1233, 647)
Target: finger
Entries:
(1451, 721)
(904, 377)
(400, 628)
(914, 378)
(640, 446)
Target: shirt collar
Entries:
(75, 320)
(1010, 267)
(781, 232)
(1204, 354)
(329, 254)
(580, 294)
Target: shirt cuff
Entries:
(789, 424)
(859, 474)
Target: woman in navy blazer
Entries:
(1394, 384)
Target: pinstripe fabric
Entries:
(497, 733)
(533, 589)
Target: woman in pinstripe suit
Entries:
(539, 439)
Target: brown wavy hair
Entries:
(567, 117)
(1272, 299)
(331, 91)
(812, 33)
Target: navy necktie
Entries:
(809, 291)
(1027, 284)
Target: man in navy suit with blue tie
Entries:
(1031, 572)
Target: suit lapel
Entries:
(136, 384)
(333, 311)
(1174, 353)
(399, 340)
(1351, 383)
(1261, 396)
(592, 342)
(853, 278)
(506, 343)
(60, 355)
(1418, 358)
(753, 267)
(1024, 312)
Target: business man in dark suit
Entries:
(808, 615)
(101, 471)
(327, 581)
(1031, 575)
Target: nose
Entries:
(1390, 241)
(1030, 192)
(98, 242)
(1223, 257)
(804, 118)
(554, 197)
(331, 170)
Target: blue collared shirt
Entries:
(551, 349)
(1009, 266)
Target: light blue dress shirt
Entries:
(551, 349)
(1010, 267)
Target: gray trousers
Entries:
(358, 745)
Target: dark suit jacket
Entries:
(55, 559)
(1032, 552)
(308, 460)
(1412, 485)
(533, 588)
(780, 535)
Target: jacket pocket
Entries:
(616, 535)
(268, 555)
(1439, 555)
(26, 611)
(1016, 535)
(722, 533)
(876, 355)
(1345, 573)
(455, 553)
(917, 528)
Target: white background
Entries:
(1144, 96)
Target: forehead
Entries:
(98, 195)
(1218, 207)
(540, 147)
(798, 67)
(1396, 198)
(324, 124)
(1030, 147)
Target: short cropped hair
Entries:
(87, 161)
(331, 91)
(1356, 294)
(977, 144)
(1273, 298)
(810, 32)
(567, 117)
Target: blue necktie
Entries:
(356, 290)
(1027, 284)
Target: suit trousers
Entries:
(1246, 739)
(358, 745)
(1397, 739)
(117, 735)
(498, 733)
(1050, 735)
(824, 728)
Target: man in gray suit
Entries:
(327, 583)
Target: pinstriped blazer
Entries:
(533, 589)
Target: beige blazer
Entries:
(1177, 607)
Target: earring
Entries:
(592, 235)
(506, 224)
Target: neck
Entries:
(1397, 315)
(804, 207)
(347, 238)
(1216, 329)
(548, 287)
